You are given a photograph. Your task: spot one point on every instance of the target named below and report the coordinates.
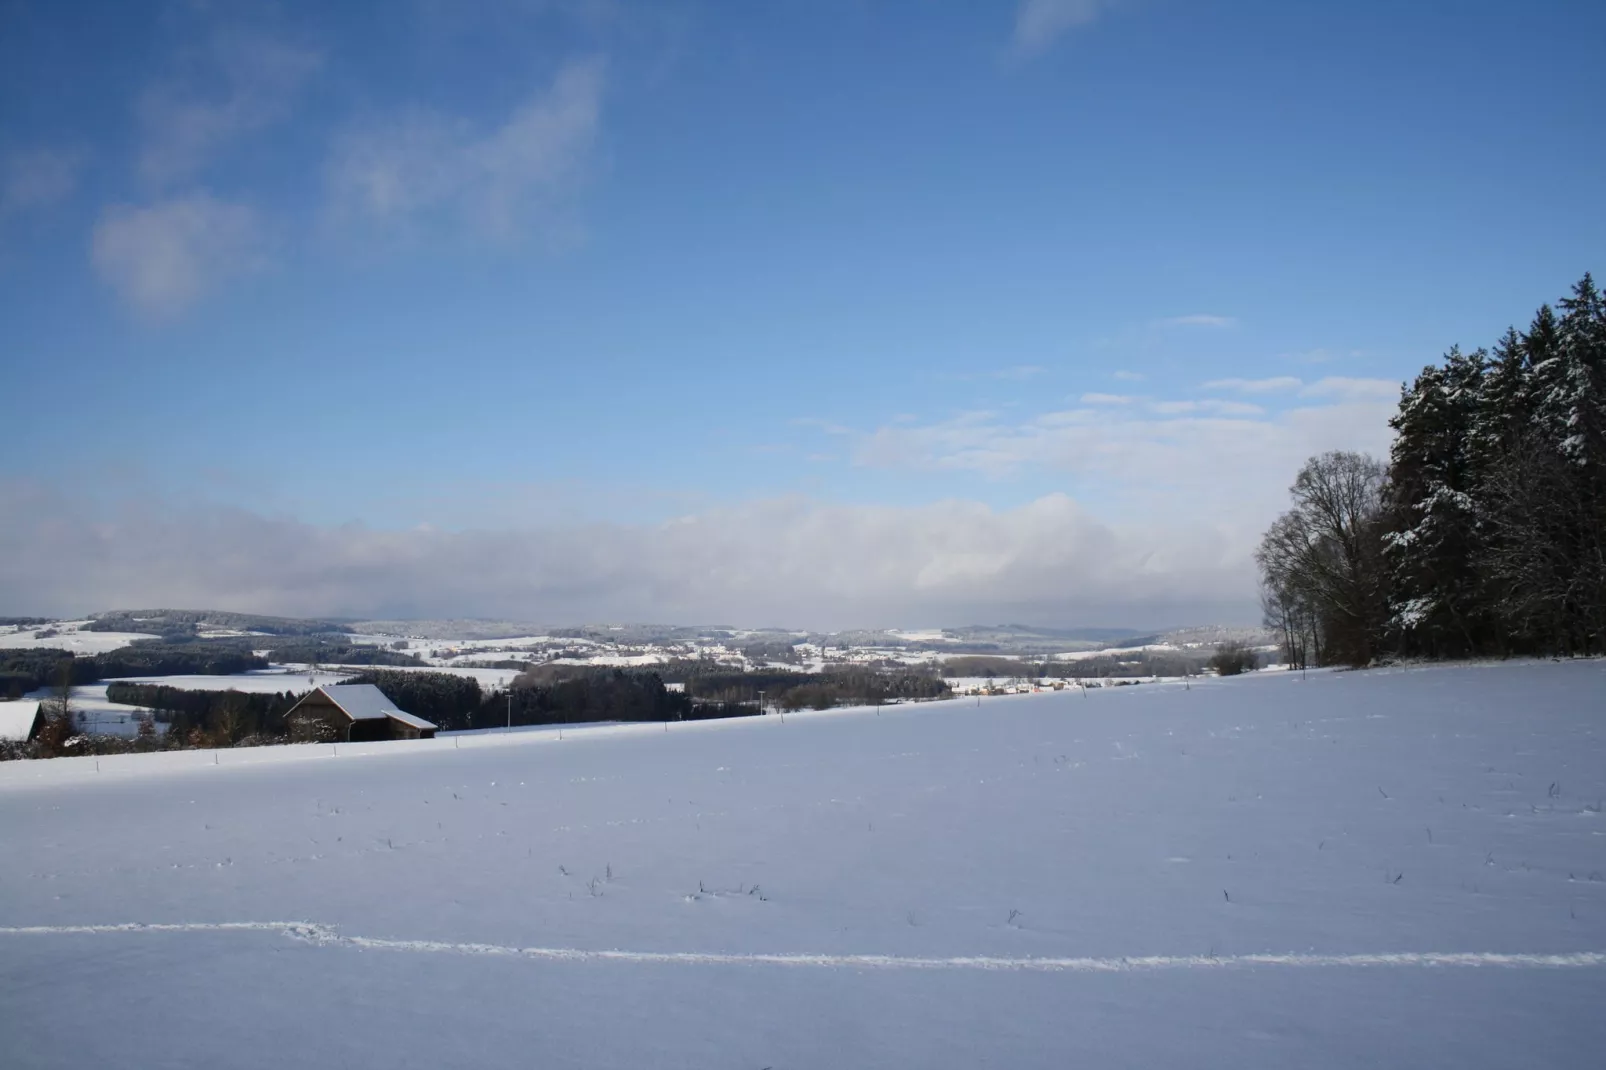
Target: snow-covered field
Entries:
(489, 679)
(1402, 868)
(98, 714)
(67, 635)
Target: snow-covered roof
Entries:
(407, 718)
(365, 702)
(16, 719)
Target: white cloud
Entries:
(1202, 319)
(1273, 385)
(35, 178)
(1039, 23)
(1210, 405)
(403, 169)
(1127, 376)
(791, 561)
(1341, 388)
(161, 257)
(1202, 458)
(1232, 408)
(1311, 356)
(236, 83)
(1106, 399)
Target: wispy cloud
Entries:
(35, 178)
(1039, 23)
(1127, 376)
(236, 82)
(160, 258)
(1201, 319)
(405, 169)
(1342, 388)
(1212, 458)
(1106, 399)
(1215, 406)
(829, 427)
(1275, 384)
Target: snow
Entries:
(17, 719)
(614, 660)
(364, 702)
(68, 637)
(96, 713)
(489, 679)
(1402, 867)
(1117, 651)
(102, 716)
(258, 681)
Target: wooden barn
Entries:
(352, 713)
(20, 721)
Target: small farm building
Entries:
(19, 721)
(352, 713)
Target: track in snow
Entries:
(325, 935)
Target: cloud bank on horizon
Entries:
(784, 562)
(1212, 474)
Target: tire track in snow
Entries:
(325, 935)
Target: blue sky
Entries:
(834, 313)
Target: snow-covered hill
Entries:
(1389, 868)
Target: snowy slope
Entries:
(68, 635)
(1255, 872)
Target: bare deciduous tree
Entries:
(1320, 562)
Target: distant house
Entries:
(20, 721)
(352, 713)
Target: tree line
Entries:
(788, 689)
(1126, 664)
(210, 718)
(1485, 531)
(545, 695)
(188, 622)
(586, 693)
(26, 670)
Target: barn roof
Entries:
(365, 702)
(16, 719)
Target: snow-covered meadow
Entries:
(1399, 867)
(69, 635)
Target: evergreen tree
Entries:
(1432, 517)
(1494, 511)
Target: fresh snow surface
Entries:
(365, 702)
(260, 681)
(1403, 868)
(68, 637)
(1117, 651)
(98, 714)
(17, 719)
(489, 679)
